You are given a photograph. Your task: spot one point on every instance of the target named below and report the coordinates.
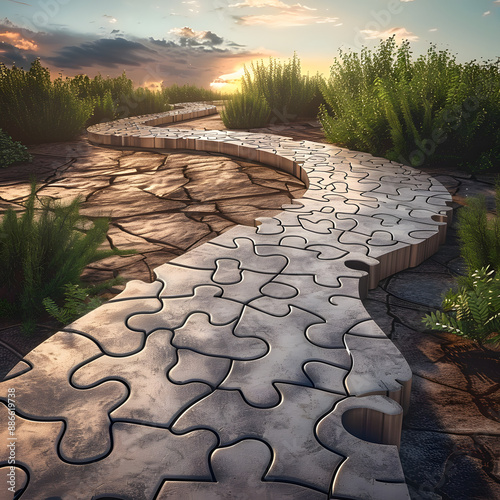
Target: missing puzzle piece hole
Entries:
(373, 426)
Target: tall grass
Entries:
(34, 109)
(288, 93)
(245, 111)
(189, 93)
(43, 250)
(424, 111)
(114, 98)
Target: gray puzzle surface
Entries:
(250, 369)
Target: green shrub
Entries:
(288, 93)
(114, 98)
(189, 93)
(34, 109)
(11, 152)
(78, 301)
(429, 111)
(44, 249)
(245, 111)
(474, 312)
(479, 237)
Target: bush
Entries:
(189, 93)
(114, 98)
(35, 110)
(429, 111)
(288, 93)
(43, 250)
(245, 111)
(11, 152)
(479, 237)
(474, 312)
(78, 301)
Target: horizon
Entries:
(209, 42)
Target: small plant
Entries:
(42, 251)
(11, 152)
(479, 237)
(245, 111)
(474, 312)
(78, 301)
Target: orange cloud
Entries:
(17, 41)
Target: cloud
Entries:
(288, 15)
(487, 13)
(197, 57)
(110, 19)
(401, 34)
(263, 3)
(17, 40)
(189, 37)
(109, 52)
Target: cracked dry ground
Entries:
(451, 437)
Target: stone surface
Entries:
(221, 439)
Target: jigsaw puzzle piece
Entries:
(153, 398)
(107, 324)
(339, 313)
(194, 367)
(378, 368)
(289, 349)
(232, 246)
(326, 377)
(136, 289)
(47, 394)
(288, 428)
(326, 272)
(175, 310)
(199, 335)
(182, 281)
(370, 469)
(33, 446)
(239, 470)
(141, 459)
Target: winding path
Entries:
(249, 368)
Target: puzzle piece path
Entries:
(250, 369)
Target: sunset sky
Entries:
(199, 41)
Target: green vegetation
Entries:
(479, 237)
(11, 152)
(429, 111)
(474, 310)
(42, 251)
(245, 111)
(288, 93)
(34, 109)
(114, 98)
(189, 93)
(78, 301)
